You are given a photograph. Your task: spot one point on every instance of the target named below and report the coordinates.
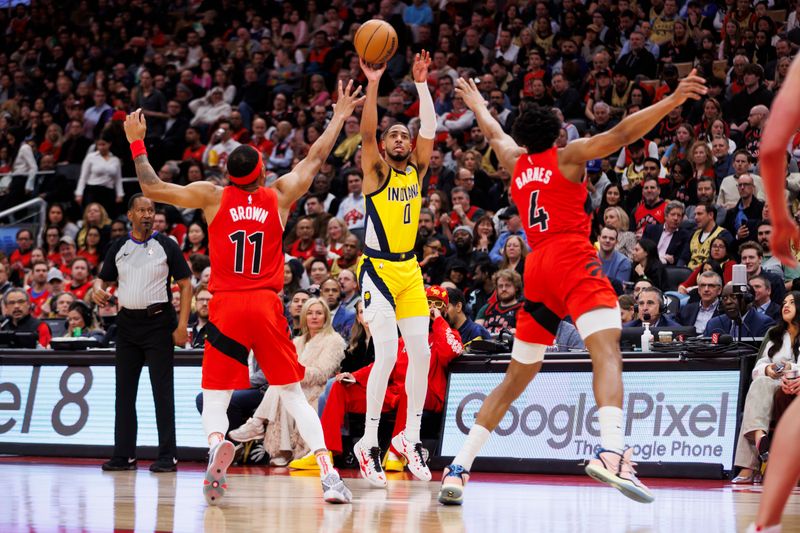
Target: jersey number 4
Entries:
(537, 216)
(238, 239)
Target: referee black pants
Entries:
(142, 339)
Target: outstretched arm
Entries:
(372, 164)
(296, 183)
(632, 127)
(197, 195)
(427, 114)
(503, 145)
(785, 118)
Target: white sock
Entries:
(415, 336)
(215, 414)
(611, 437)
(324, 462)
(384, 336)
(305, 417)
(477, 437)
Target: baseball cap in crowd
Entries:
(54, 275)
(463, 228)
(508, 212)
(595, 165)
(66, 239)
(435, 292)
(457, 264)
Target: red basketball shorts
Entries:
(244, 321)
(563, 276)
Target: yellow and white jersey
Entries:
(393, 213)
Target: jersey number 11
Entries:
(238, 239)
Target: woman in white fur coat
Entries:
(320, 350)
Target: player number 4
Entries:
(238, 239)
(537, 216)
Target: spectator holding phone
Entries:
(777, 356)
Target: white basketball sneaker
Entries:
(413, 454)
(253, 429)
(616, 470)
(369, 461)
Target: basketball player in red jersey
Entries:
(562, 274)
(783, 468)
(245, 226)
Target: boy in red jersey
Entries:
(562, 274)
(245, 226)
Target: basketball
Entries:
(376, 42)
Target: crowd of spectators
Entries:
(210, 75)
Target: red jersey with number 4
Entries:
(549, 204)
(245, 241)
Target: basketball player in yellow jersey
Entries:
(389, 275)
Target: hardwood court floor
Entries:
(51, 495)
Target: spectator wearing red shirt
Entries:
(194, 148)
(67, 252)
(91, 246)
(37, 292)
(81, 280)
(303, 247)
(463, 214)
(21, 257)
(651, 209)
(259, 140)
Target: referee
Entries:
(142, 264)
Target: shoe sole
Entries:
(118, 469)
(625, 487)
(451, 495)
(215, 484)
(335, 497)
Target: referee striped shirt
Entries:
(143, 269)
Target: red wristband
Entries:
(137, 149)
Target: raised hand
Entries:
(372, 72)
(348, 99)
(469, 92)
(692, 86)
(420, 68)
(135, 126)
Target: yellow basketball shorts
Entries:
(392, 287)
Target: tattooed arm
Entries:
(197, 195)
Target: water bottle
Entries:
(77, 332)
(647, 337)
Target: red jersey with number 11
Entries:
(245, 241)
(549, 204)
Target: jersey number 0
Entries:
(238, 239)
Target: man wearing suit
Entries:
(649, 304)
(739, 317)
(697, 314)
(762, 290)
(672, 240)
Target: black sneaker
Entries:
(116, 464)
(164, 465)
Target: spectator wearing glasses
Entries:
(739, 317)
(747, 209)
(697, 314)
(18, 317)
(202, 298)
(762, 297)
(729, 190)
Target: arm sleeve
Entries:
(427, 113)
(109, 271)
(446, 342)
